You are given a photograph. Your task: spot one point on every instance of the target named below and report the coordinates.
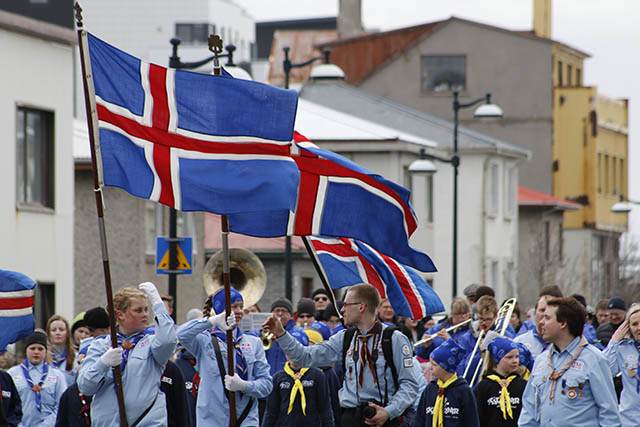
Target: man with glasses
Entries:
(369, 393)
(459, 313)
(320, 299)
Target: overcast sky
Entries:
(608, 30)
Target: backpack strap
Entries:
(387, 351)
(348, 337)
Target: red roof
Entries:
(213, 239)
(532, 198)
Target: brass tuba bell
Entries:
(247, 274)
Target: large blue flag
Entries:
(337, 197)
(347, 262)
(192, 141)
(16, 307)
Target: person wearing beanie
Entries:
(206, 340)
(526, 361)
(448, 400)
(331, 319)
(320, 298)
(282, 309)
(617, 312)
(39, 385)
(79, 330)
(499, 394)
(97, 322)
(306, 313)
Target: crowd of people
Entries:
(480, 365)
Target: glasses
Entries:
(345, 304)
(316, 299)
(485, 319)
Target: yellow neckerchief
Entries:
(505, 399)
(527, 374)
(438, 408)
(297, 387)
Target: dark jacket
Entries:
(605, 331)
(459, 406)
(173, 387)
(487, 394)
(11, 413)
(318, 409)
(187, 364)
(71, 411)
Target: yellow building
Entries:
(590, 161)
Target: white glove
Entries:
(112, 357)
(219, 321)
(234, 383)
(151, 291)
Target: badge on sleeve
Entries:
(406, 350)
(408, 362)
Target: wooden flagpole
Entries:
(215, 46)
(323, 277)
(97, 189)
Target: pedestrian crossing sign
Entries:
(184, 255)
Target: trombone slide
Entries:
(449, 329)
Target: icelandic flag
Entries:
(16, 307)
(337, 197)
(347, 262)
(191, 141)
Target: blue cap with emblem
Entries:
(448, 355)
(217, 300)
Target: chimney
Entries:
(542, 18)
(349, 18)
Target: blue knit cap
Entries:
(525, 356)
(499, 347)
(217, 301)
(448, 355)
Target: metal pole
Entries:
(91, 122)
(454, 273)
(173, 261)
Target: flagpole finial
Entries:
(78, 10)
(215, 45)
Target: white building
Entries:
(36, 162)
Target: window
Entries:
(510, 191)
(569, 75)
(194, 33)
(614, 176)
(495, 280)
(599, 172)
(157, 225)
(547, 241)
(560, 73)
(34, 157)
(407, 182)
(606, 174)
(430, 198)
(307, 286)
(578, 77)
(442, 73)
(560, 242)
(44, 303)
(492, 190)
(621, 187)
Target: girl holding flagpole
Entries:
(142, 354)
(499, 394)
(60, 350)
(40, 385)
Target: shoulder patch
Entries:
(407, 362)
(577, 365)
(406, 350)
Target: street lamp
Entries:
(623, 206)
(326, 70)
(424, 165)
(175, 62)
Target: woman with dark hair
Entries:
(61, 352)
(142, 354)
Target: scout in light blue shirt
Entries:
(252, 369)
(623, 354)
(40, 386)
(142, 354)
(361, 365)
(572, 386)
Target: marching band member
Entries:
(499, 394)
(60, 349)
(459, 313)
(623, 354)
(206, 339)
(40, 385)
(142, 354)
(447, 401)
(571, 381)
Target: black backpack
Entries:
(387, 350)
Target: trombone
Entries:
(502, 323)
(430, 337)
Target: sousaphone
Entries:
(247, 275)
